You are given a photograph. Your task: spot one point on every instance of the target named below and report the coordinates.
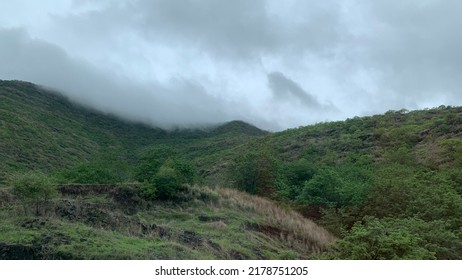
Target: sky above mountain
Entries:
(276, 64)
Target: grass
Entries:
(206, 224)
(292, 225)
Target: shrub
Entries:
(33, 189)
(89, 173)
(254, 173)
(151, 160)
(381, 240)
(163, 177)
(167, 182)
(148, 190)
(322, 189)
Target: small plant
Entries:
(34, 189)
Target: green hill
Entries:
(387, 186)
(43, 130)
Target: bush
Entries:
(297, 172)
(89, 173)
(33, 189)
(163, 175)
(322, 189)
(151, 160)
(167, 182)
(148, 190)
(381, 240)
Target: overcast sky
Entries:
(276, 64)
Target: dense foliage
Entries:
(388, 185)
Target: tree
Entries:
(322, 189)
(254, 173)
(151, 160)
(293, 176)
(167, 182)
(33, 189)
(162, 173)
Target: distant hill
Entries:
(238, 127)
(41, 129)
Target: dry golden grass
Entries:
(292, 226)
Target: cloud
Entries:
(327, 60)
(412, 51)
(181, 103)
(283, 88)
(238, 29)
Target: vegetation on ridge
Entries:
(387, 186)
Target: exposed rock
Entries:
(34, 223)
(84, 189)
(191, 238)
(18, 252)
(236, 255)
(267, 229)
(128, 199)
(153, 228)
(214, 246)
(67, 209)
(205, 218)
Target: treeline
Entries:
(160, 174)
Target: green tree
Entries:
(34, 189)
(292, 177)
(322, 189)
(151, 160)
(163, 174)
(184, 169)
(167, 182)
(297, 172)
(254, 172)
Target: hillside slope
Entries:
(112, 222)
(41, 129)
(387, 186)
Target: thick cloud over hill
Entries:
(276, 64)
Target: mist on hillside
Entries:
(270, 63)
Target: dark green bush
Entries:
(90, 173)
(167, 182)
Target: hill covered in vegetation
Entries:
(389, 186)
(385, 186)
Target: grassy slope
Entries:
(377, 136)
(206, 224)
